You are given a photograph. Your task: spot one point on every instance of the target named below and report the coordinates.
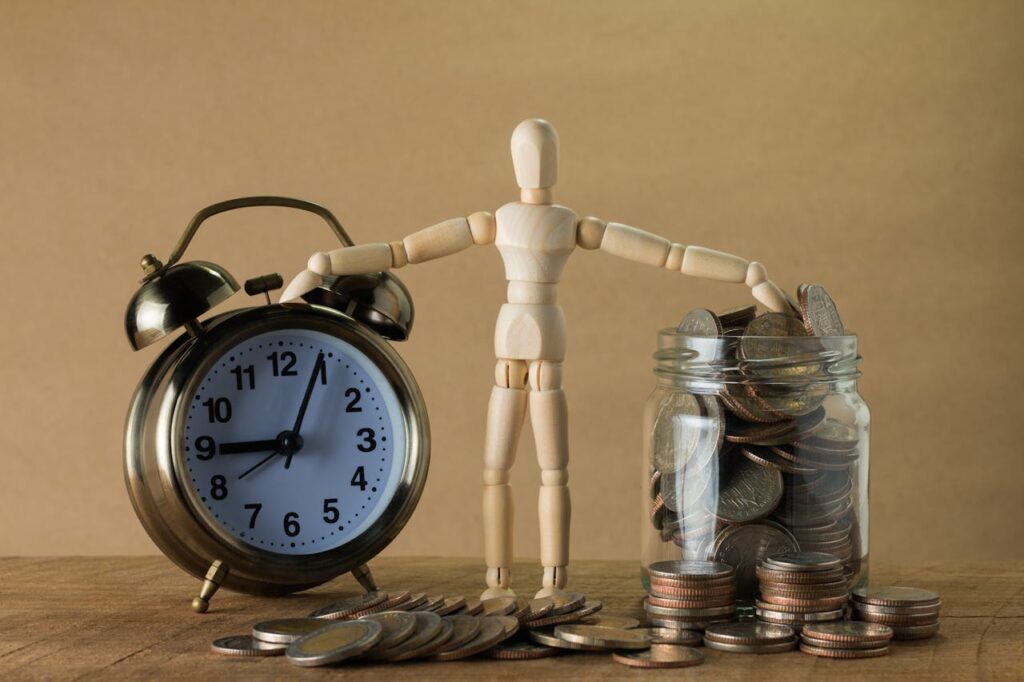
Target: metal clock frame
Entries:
(154, 461)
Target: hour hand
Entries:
(246, 446)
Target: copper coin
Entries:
(809, 601)
(411, 602)
(795, 578)
(661, 656)
(828, 644)
(473, 607)
(870, 609)
(895, 596)
(431, 603)
(849, 631)
(624, 622)
(520, 651)
(770, 615)
(451, 605)
(736, 317)
(691, 603)
(844, 653)
(658, 590)
(819, 312)
(770, 458)
(749, 632)
(774, 648)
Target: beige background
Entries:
(874, 147)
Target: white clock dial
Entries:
(287, 491)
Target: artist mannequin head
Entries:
(535, 154)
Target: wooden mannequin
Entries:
(535, 238)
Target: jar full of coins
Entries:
(756, 444)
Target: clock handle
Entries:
(214, 577)
(364, 577)
(246, 202)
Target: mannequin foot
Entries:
(550, 592)
(497, 591)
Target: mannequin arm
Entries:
(432, 242)
(697, 261)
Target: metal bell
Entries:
(173, 297)
(379, 300)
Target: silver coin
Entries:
(286, 630)
(604, 637)
(398, 626)
(784, 617)
(872, 609)
(765, 337)
(535, 608)
(566, 602)
(247, 646)
(428, 626)
(895, 596)
(431, 646)
(775, 648)
(689, 613)
(820, 315)
(451, 605)
(700, 322)
(802, 561)
(849, 631)
(464, 629)
(514, 650)
(673, 444)
(473, 607)
(695, 571)
(829, 644)
(344, 608)
(744, 547)
(499, 606)
(906, 632)
(676, 636)
(492, 631)
(547, 638)
(334, 643)
(660, 656)
(747, 491)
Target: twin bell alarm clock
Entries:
(271, 448)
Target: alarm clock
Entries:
(271, 448)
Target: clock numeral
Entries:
(219, 409)
(206, 447)
(218, 487)
(283, 365)
(255, 507)
(291, 524)
(359, 478)
(249, 372)
(369, 443)
(355, 395)
(331, 513)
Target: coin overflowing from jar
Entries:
(754, 449)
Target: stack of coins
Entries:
(690, 594)
(760, 467)
(912, 613)
(750, 638)
(845, 639)
(800, 588)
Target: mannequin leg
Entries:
(505, 415)
(549, 416)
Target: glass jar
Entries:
(755, 446)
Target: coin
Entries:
(499, 606)
(802, 561)
(431, 603)
(768, 614)
(775, 648)
(431, 646)
(535, 608)
(745, 546)
(676, 636)
(343, 608)
(746, 491)
(451, 605)
(246, 645)
(871, 609)
(428, 626)
(520, 651)
(690, 570)
(661, 656)
(820, 316)
(565, 602)
(738, 317)
(849, 631)
(397, 626)
(915, 631)
(547, 637)
(895, 596)
(844, 653)
(464, 629)
(624, 622)
(285, 630)
(334, 643)
(700, 322)
(605, 637)
(492, 631)
(749, 632)
(828, 644)
(671, 603)
(473, 607)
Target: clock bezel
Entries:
(156, 470)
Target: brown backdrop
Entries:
(874, 147)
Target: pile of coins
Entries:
(747, 463)
(690, 594)
(912, 613)
(800, 588)
(845, 639)
(750, 638)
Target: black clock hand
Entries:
(305, 404)
(247, 446)
(260, 463)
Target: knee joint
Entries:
(510, 374)
(545, 376)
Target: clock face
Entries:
(294, 442)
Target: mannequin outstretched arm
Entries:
(643, 247)
(432, 242)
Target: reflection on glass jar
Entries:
(757, 445)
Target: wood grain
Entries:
(103, 617)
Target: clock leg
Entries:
(214, 577)
(364, 577)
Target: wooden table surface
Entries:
(103, 617)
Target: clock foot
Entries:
(364, 577)
(214, 577)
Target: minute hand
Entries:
(305, 403)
